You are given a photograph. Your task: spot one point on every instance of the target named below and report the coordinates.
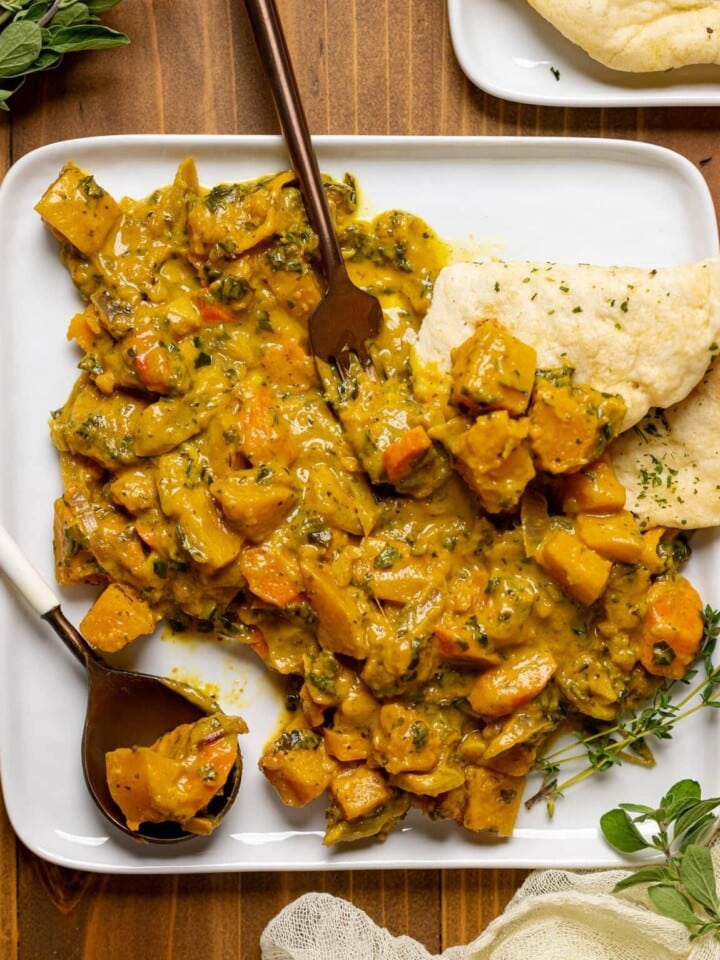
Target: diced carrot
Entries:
(459, 641)
(258, 643)
(271, 575)
(519, 679)
(153, 361)
(211, 311)
(672, 629)
(263, 437)
(401, 455)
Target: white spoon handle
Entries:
(24, 575)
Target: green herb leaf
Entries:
(671, 903)
(680, 793)
(643, 875)
(92, 36)
(99, 6)
(621, 833)
(698, 877)
(20, 44)
(689, 818)
(683, 887)
(36, 34)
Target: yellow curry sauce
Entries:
(444, 572)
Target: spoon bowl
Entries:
(124, 708)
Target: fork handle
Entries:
(275, 58)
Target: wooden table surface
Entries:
(366, 67)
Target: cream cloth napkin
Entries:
(555, 915)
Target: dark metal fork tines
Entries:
(342, 323)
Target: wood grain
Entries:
(367, 67)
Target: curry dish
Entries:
(443, 580)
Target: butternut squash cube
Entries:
(581, 572)
(255, 508)
(493, 801)
(650, 557)
(359, 791)
(493, 370)
(340, 610)
(494, 459)
(593, 489)
(346, 743)
(78, 210)
(571, 425)
(615, 537)
(117, 617)
(298, 766)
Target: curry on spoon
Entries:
(160, 760)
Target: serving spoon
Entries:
(124, 708)
(346, 317)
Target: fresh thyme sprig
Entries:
(35, 34)
(683, 886)
(626, 740)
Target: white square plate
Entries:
(510, 51)
(560, 199)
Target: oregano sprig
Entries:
(35, 35)
(683, 885)
(627, 740)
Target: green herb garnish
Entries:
(35, 34)
(682, 886)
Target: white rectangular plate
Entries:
(565, 200)
(509, 50)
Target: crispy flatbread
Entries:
(639, 36)
(648, 335)
(670, 462)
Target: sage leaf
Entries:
(681, 795)
(75, 13)
(681, 790)
(643, 875)
(638, 808)
(91, 36)
(621, 833)
(20, 45)
(673, 904)
(699, 811)
(35, 11)
(99, 6)
(698, 877)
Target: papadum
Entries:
(669, 463)
(647, 335)
(639, 37)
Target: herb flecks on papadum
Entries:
(669, 463)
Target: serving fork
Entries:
(346, 317)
